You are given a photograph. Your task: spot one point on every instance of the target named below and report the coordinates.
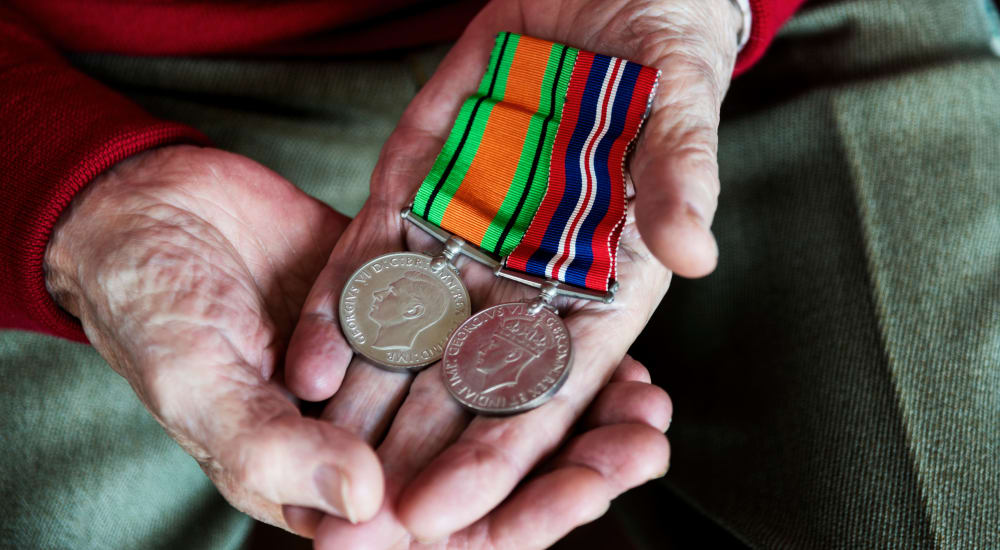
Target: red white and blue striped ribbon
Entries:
(574, 235)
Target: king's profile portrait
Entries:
(518, 342)
(405, 308)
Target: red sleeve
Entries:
(768, 17)
(58, 130)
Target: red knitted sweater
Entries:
(59, 129)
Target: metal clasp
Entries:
(452, 247)
(456, 245)
(544, 299)
(559, 288)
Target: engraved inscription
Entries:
(504, 360)
(399, 313)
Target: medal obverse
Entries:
(398, 312)
(505, 360)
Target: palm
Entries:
(193, 265)
(445, 471)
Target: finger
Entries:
(302, 521)
(675, 168)
(674, 208)
(630, 398)
(367, 400)
(318, 354)
(675, 172)
(257, 448)
(630, 402)
(381, 532)
(593, 469)
(548, 508)
(306, 462)
(630, 370)
(478, 471)
(434, 421)
(626, 455)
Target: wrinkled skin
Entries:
(187, 268)
(191, 268)
(445, 471)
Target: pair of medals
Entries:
(530, 183)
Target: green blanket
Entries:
(837, 381)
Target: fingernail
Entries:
(302, 521)
(334, 487)
(600, 512)
(669, 420)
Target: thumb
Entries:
(675, 168)
(258, 450)
(291, 460)
(677, 187)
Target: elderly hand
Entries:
(446, 471)
(187, 268)
(620, 444)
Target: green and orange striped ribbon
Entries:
(493, 170)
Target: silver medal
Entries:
(399, 309)
(507, 359)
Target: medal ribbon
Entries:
(574, 235)
(491, 174)
(533, 168)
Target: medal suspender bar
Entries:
(497, 264)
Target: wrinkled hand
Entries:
(187, 268)
(620, 444)
(444, 470)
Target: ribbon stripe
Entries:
(574, 236)
(533, 168)
(612, 204)
(538, 155)
(570, 243)
(468, 128)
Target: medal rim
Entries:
(538, 401)
(376, 362)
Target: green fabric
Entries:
(836, 382)
(85, 466)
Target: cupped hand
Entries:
(619, 444)
(473, 464)
(187, 268)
